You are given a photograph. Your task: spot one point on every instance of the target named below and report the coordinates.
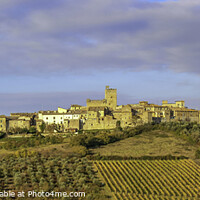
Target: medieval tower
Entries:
(111, 97)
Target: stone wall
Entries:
(111, 97)
(3, 124)
(96, 103)
(107, 122)
(147, 116)
(177, 104)
(15, 123)
(186, 115)
(38, 124)
(71, 124)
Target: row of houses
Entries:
(101, 114)
(17, 121)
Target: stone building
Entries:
(147, 117)
(100, 112)
(125, 115)
(177, 104)
(106, 122)
(16, 121)
(152, 112)
(183, 114)
(19, 122)
(159, 113)
(67, 119)
(38, 124)
(3, 123)
(110, 100)
(72, 125)
(77, 107)
(96, 103)
(62, 110)
(111, 97)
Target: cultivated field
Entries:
(39, 173)
(151, 180)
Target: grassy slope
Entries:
(57, 149)
(155, 143)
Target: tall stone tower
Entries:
(111, 97)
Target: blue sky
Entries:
(60, 52)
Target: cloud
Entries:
(38, 38)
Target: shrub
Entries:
(32, 129)
(2, 135)
(42, 127)
(197, 154)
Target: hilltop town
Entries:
(98, 114)
(122, 151)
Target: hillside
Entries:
(72, 163)
(153, 143)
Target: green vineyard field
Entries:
(151, 179)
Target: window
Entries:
(54, 118)
(61, 118)
(46, 117)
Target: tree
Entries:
(17, 180)
(197, 154)
(32, 129)
(42, 127)
(50, 127)
(118, 125)
(17, 130)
